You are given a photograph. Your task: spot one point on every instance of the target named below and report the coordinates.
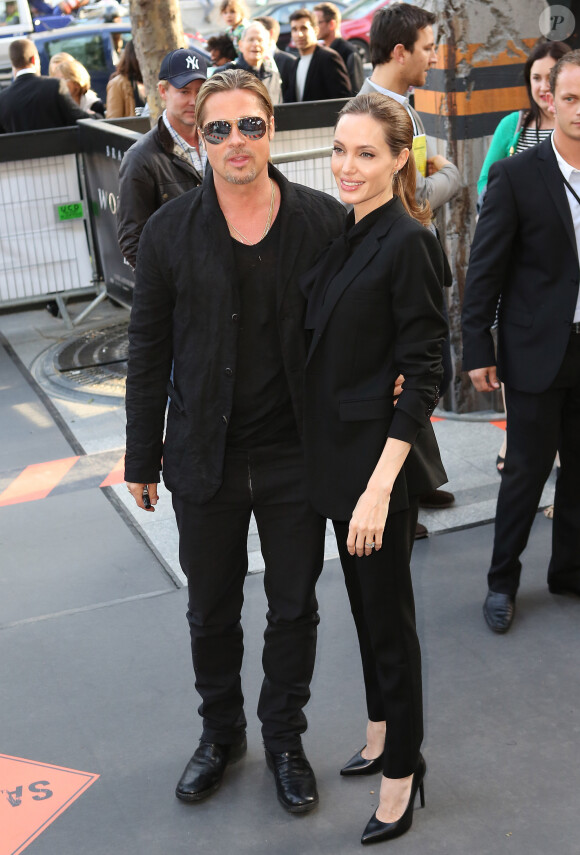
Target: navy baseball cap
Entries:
(182, 66)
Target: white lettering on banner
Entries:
(192, 62)
(102, 198)
(107, 200)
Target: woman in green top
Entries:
(524, 128)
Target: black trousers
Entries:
(381, 599)
(538, 425)
(213, 554)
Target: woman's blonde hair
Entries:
(398, 133)
(72, 69)
(56, 60)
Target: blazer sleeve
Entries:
(149, 365)
(137, 202)
(488, 269)
(420, 330)
(337, 81)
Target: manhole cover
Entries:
(94, 362)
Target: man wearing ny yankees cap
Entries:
(168, 161)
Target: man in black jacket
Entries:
(525, 250)
(218, 324)
(169, 160)
(329, 20)
(320, 73)
(32, 102)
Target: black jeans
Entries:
(213, 554)
(381, 599)
(538, 425)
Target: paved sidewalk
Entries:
(96, 673)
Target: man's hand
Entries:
(485, 379)
(435, 163)
(398, 387)
(136, 491)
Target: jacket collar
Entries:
(167, 144)
(362, 255)
(292, 229)
(550, 172)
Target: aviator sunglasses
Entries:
(252, 127)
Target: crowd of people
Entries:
(303, 365)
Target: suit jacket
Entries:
(353, 62)
(436, 189)
(379, 316)
(32, 103)
(327, 77)
(184, 320)
(524, 250)
(285, 62)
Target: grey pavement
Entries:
(96, 675)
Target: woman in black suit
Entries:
(374, 308)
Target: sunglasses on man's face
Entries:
(252, 127)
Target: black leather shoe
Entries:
(295, 781)
(359, 765)
(498, 611)
(204, 772)
(437, 499)
(377, 830)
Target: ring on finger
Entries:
(370, 544)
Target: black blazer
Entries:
(285, 62)
(32, 103)
(327, 77)
(353, 62)
(185, 312)
(380, 316)
(524, 249)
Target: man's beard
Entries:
(241, 179)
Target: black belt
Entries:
(575, 328)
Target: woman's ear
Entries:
(402, 159)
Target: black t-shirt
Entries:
(262, 411)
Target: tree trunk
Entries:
(157, 29)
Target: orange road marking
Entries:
(437, 419)
(499, 424)
(116, 475)
(32, 795)
(36, 481)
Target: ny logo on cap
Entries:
(192, 62)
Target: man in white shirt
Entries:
(526, 250)
(402, 52)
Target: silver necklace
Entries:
(268, 225)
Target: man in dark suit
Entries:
(525, 251)
(218, 323)
(329, 19)
(31, 102)
(320, 73)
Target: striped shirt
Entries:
(185, 151)
(531, 137)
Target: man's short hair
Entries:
(572, 58)
(271, 25)
(396, 24)
(330, 12)
(229, 81)
(224, 45)
(21, 52)
(304, 13)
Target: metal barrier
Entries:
(59, 193)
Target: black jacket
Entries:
(150, 175)
(285, 62)
(327, 77)
(186, 312)
(524, 250)
(354, 65)
(33, 103)
(375, 313)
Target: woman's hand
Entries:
(367, 523)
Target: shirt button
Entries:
(235, 317)
(229, 372)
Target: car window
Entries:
(360, 9)
(89, 50)
(8, 13)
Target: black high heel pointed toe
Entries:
(377, 831)
(359, 765)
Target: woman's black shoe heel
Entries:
(377, 830)
(359, 765)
